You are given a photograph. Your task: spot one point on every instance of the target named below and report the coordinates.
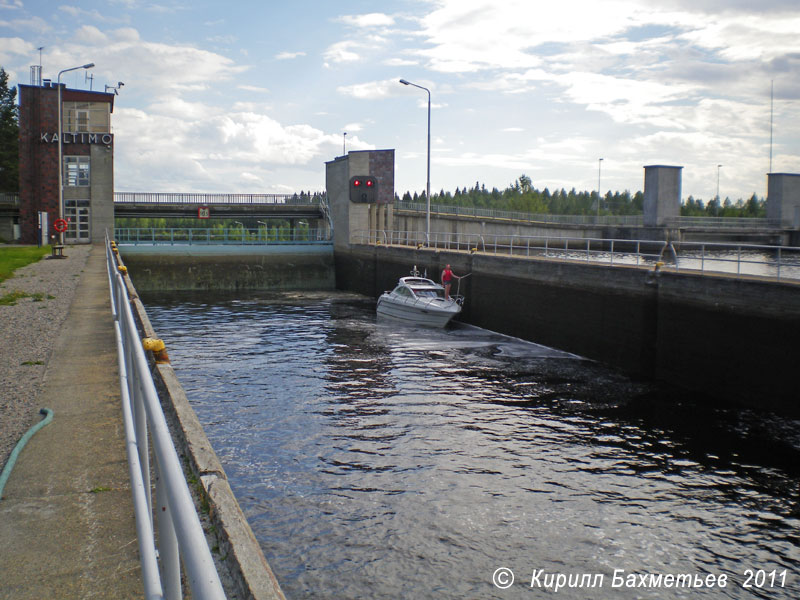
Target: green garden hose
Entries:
(20, 445)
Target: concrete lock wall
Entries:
(729, 338)
(230, 268)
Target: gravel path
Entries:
(27, 332)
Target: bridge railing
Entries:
(723, 222)
(778, 262)
(213, 236)
(179, 532)
(211, 199)
(504, 215)
(613, 220)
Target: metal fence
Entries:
(9, 198)
(723, 222)
(615, 220)
(504, 215)
(179, 532)
(210, 236)
(782, 263)
(210, 199)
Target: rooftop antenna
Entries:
(771, 104)
(36, 70)
(89, 78)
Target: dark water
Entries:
(380, 462)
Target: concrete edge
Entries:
(252, 576)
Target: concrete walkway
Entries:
(67, 528)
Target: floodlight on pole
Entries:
(60, 148)
(428, 182)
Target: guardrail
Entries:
(235, 236)
(211, 199)
(180, 534)
(778, 262)
(723, 222)
(618, 220)
(503, 215)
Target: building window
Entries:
(76, 171)
(87, 117)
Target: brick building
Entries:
(87, 161)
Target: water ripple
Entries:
(378, 462)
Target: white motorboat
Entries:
(419, 301)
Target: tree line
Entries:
(521, 196)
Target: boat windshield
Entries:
(428, 292)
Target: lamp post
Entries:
(599, 163)
(60, 149)
(428, 183)
(344, 144)
(718, 168)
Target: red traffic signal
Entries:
(363, 189)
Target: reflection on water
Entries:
(381, 462)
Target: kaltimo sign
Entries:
(78, 138)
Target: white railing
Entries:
(507, 215)
(615, 220)
(778, 262)
(176, 236)
(212, 199)
(180, 534)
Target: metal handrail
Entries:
(505, 215)
(723, 222)
(619, 220)
(180, 534)
(201, 198)
(711, 256)
(206, 236)
(784, 261)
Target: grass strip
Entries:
(14, 257)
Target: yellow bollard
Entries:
(158, 348)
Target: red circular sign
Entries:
(60, 225)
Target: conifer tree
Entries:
(9, 136)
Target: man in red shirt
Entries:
(447, 280)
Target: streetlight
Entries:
(718, 168)
(344, 144)
(428, 188)
(599, 163)
(60, 149)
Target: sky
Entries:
(255, 96)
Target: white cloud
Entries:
(288, 55)
(368, 20)
(35, 24)
(372, 90)
(91, 35)
(253, 88)
(343, 52)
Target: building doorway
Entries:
(77, 213)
